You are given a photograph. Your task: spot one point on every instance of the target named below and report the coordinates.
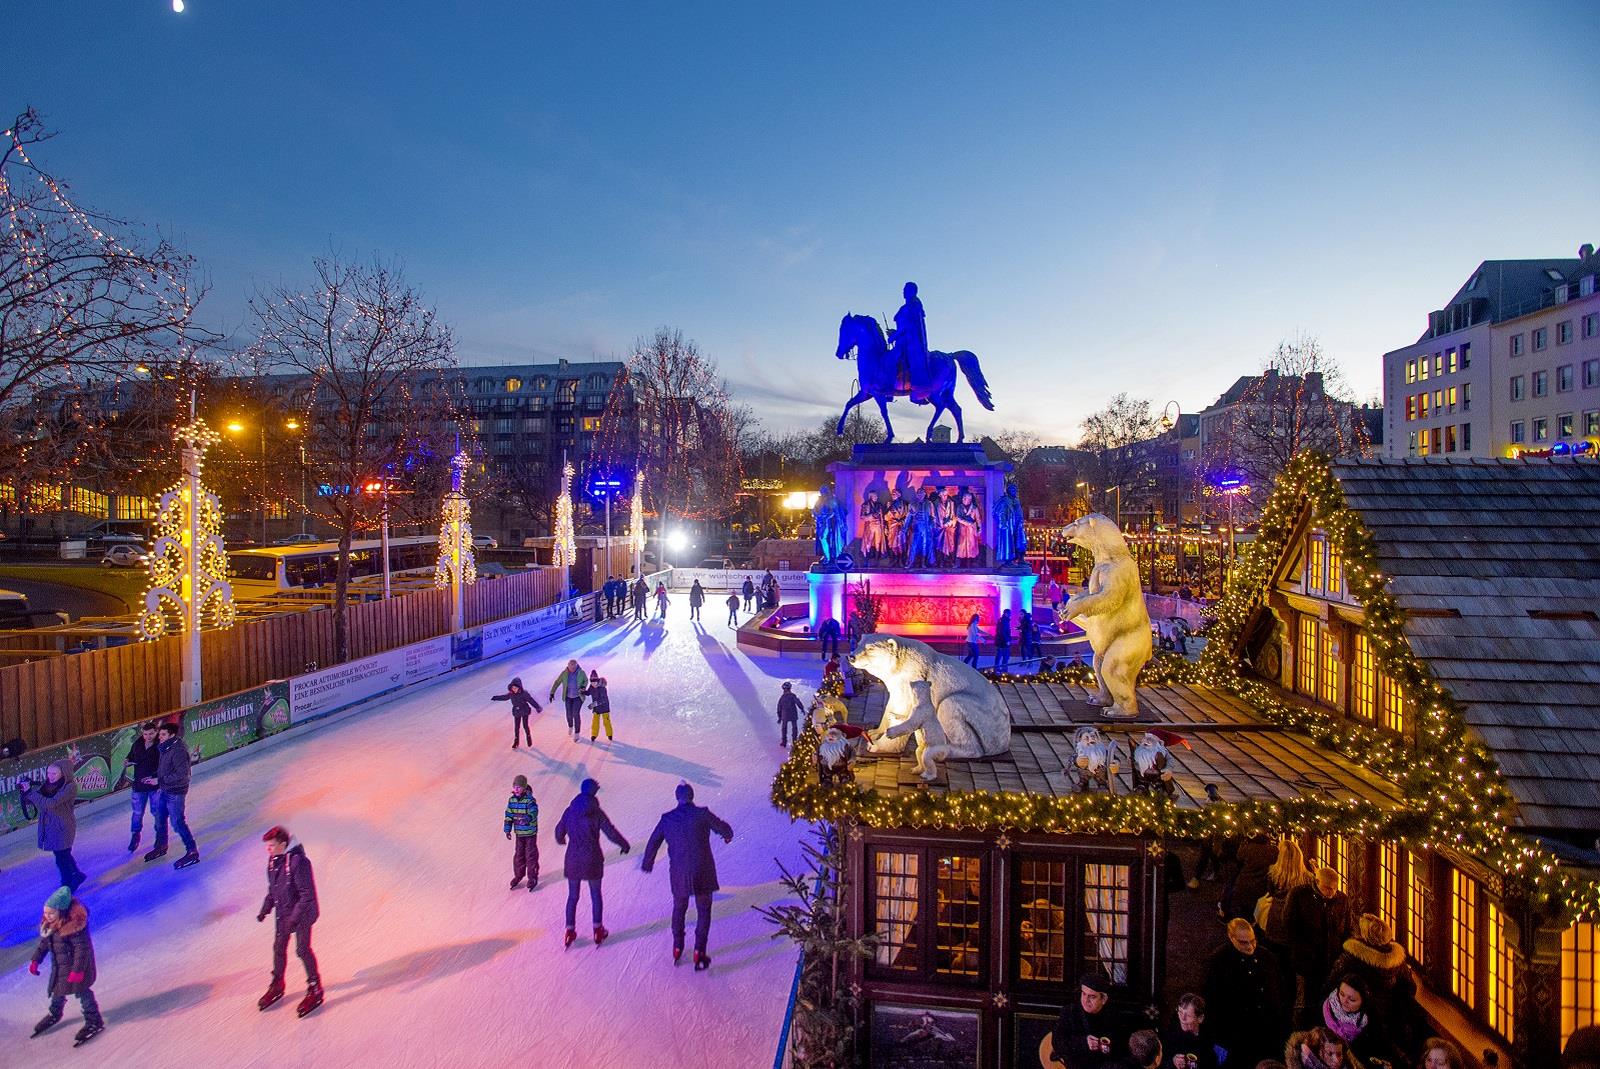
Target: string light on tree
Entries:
(636, 521)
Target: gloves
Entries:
(508, 835)
(260, 917)
(33, 967)
(74, 977)
(727, 838)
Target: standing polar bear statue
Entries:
(1112, 613)
(966, 706)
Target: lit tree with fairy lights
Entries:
(564, 546)
(457, 567)
(636, 525)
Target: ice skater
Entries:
(641, 595)
(292, 896)
(579, 830)
(662, 601)
(697, 598)
(64, 935)
(144, 758)
(522, 707)
(522, 827)
(58, 822)
(748, 589)
(733, 610)
(571, 683)
(172, 793)
(789, 709)
(691, 869)
(599, 704)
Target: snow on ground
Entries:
(428, 959)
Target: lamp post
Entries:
(1231, 486)
(605, 486)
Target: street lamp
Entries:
(237, 427)
(1168, 422)
(1231, 486)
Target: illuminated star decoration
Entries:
(188, 566)
(457, 563)
(564, 551)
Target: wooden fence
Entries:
(61, 697)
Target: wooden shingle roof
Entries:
(1497, 566)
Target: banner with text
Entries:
(320, 693)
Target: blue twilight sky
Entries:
(1092, 197)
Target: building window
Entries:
(1419, 906)
(1466, 355)
(504, 425)
(591, 423)
(1438, 363)
(1564, 425)
(1438, 401)
(598, 382)
(1411, 407)
(1591, 373)
(1516, 387)
(1411, 370)
(1517, 432)
(1042, 938)
(1450, 361)
(1306, 666)
(1466, 437)
(1391, 707)
(1516, 345)
(1466, 397)
(1591, 324)
(1580, 977)
(1541, 429)
(513, 384)
(1464, 937)
(1389, 884)
(1316, 564)
(959, 889)
(1422, 370)
(1502, 975)
(1422, 406)
(894, 908)
(1564, 332)
(1541, 339)
(1411, 448)
(1364, 699)
(1541, 383)
(1591, 424)
(1106, 908)
(1564, 378)
(1328, 681)
(1335, 571)
(1450, 399)
(541, 383)
(1423, 438)
(1433, 440)
(567, 392)
(1449, 439)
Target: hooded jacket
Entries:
(291, 888)
(58, 824)
(172, 773)
(582, 824)
(599, 699)
(686, 832)
(67, 943)
(522, 703)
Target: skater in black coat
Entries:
(582, 824)
(64, 935)
(692, 870)
(292, 896)
(697, 598)
(523, 706)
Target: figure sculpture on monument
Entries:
(874, 539)
(830, 519)
(922, 532)
(969, 530)
(894, 526)
(945, 505)
(908, 342)
(1010, 533)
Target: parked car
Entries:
(125, 555)
(15, 613)
(303, 538)
(716, 563)
(485, 542)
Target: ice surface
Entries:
(428, 959)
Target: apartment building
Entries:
(1510, 366)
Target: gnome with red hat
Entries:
(1152, 762)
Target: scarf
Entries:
(1346, 1025)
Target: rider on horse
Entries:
(909, 340)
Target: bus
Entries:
(280, 569)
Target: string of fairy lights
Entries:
(188, 564)
(1452, 793)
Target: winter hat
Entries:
(589, 786)
(788, 686)
(1095, 980)
(685, 793)
(60, 900)
(520, 781)
(1374, 931)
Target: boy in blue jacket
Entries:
(522, 827)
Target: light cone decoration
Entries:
(456, 565)
(636, 518)
(564, 550)
(189, 587)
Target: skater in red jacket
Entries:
(292, 895)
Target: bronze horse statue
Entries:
(883, 376)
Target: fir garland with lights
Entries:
(457, 561)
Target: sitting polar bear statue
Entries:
(968, 707)
(1112, 613)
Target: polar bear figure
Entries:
(932, 744)
(968, 707)
(1112, 613)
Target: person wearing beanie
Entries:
(522, 827)
(789, 710)
(522, 707)
(599, 704)
(579, 829)
(58, 822)
(691, 870)
(64, 936)
(292, 897)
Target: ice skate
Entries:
(312, 1000)
(701, 962)
(600, 934)
(274, 993)
(569, 938)
(49, 1021)
(516, 883)
(158, 852)
(191, 858)
(88, 1032)
(677, 955)
(533, 882)
(133, 842)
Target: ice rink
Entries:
(426, 956)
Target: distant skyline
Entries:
(1094, 198)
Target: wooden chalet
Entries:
(1405, 674)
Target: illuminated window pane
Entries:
(1419, 906)
(1042, 921)
(1580, 978)
(1106, 906)
(1306, 666)
(1335, 571)
(1328, 664)
(1389, 884)
(959, 888)
(1391, 709)
(1365, 699)
(1317, 581)
(894, 906)
(1463, 937)
(1502, 975)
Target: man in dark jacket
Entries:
(641, 595)
(292, 896)
(1319, 922)
(1244, 998)
(697, 598)
(58, 822)
(748, 589)
(64, 936)
(522, 707)
(789, 710)
(172, 792)
(1088, 1035)
(691, 869)
(141, 764)
(582, 824)
(828, 634)
(608, 590)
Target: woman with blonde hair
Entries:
(1285, 874)
(1441, 1054)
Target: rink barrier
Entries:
(232, 721)
(724, 580)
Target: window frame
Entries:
(924, 926)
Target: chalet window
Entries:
(1306, 663)
(1389, 884)
(1042, 924)
(1328, 668)
(1502, 983)
(1463, 937)
(1317, 581)
(1580, 977)
(1106, 908)
(928, 908)
(1419, 906)
(1391, 706)
(1096, 929)
(1364, 679)
(1333, 851)
(1335, 571)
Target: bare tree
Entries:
(369, 358)
(81, 305)
(1119, 437)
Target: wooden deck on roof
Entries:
(1245, 759)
